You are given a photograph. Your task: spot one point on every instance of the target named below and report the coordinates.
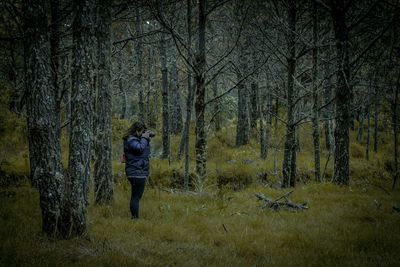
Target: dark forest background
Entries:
(245, 97)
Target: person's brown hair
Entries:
(135, 127)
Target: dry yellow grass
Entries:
(343, 226)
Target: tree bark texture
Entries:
(264, 107)
(328, 111)
(376, 118)
(201, 141)
(253, 104)
(184, 145)
(175, 107)
(55, 46)
(165, 98)
(102, 174)
(254, 90)
(394, 109)
(289, 157)
(216, 107)
(361, 126)
(368, 129)
(42, 112)
(150, 118)
(315, 117)
(124, 107)
(342, 94)
(243, 119)
(81, 113)
(139, 58)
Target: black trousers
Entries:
(137, 193)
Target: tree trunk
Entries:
(342, 94)
(395, 139)
(315, 118)
(264, 107)
(368, 131)
(276, 112)
(55, 46)
(184, 145)
(253, 104)
(43, 116)
(103, 178)
(200, 63)
(328, 111)
(175, 107)
(124, 107)
(289, 157)
(255, 92)
(81, 114)
(243, 120)
(216, 107)
(139, 56)
(151, 74)
(361, 126)
(376, 118)
(298, 110)
(165, 98)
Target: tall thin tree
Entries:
(200, 64)
(289, 158)
(315, 108)
(165, 98)
(342, 93)
(102, 169)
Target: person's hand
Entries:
(146, 134)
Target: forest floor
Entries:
(224, 225)
(343, 226)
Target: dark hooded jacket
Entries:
(137, 153)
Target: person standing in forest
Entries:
(137, 152)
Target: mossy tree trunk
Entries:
(102, 173)
(43, 116)
(81, 114)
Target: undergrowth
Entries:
(224, 225)
(344, 226)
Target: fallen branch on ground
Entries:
(277, 205)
